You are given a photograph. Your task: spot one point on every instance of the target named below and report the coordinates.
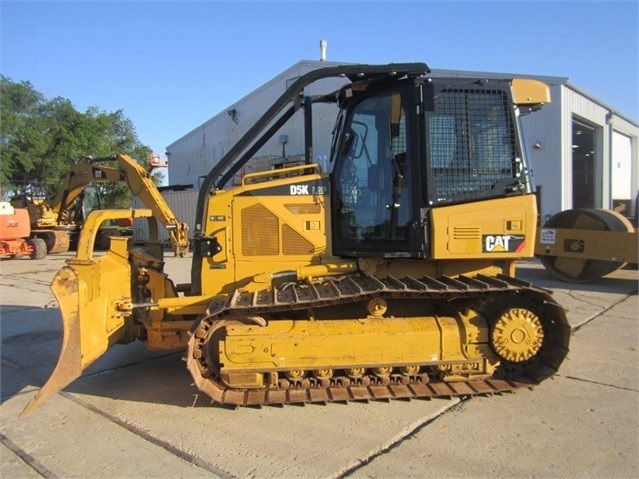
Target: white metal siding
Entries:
(193, 155)
(183, 205)
(543, 147)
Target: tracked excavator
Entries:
(58, 221)
(390, 275)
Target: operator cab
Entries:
(401, 149)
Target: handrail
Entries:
(280, 172)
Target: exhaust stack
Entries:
(323, 45)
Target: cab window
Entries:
(372, 177)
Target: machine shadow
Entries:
(31, 339)
(133, 374)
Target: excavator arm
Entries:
(76, 181)
(142, 186)
(139, 182)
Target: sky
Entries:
(172, 65)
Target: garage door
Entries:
(621, 170)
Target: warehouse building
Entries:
(583, 152)
(192, 156)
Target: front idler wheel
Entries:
(517, 335)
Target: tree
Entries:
(21, 134)
(40, 140)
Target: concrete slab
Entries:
(604, 351)
(566, 428)
(14, 465)
(583, 423)
(294, 441)
(582, 301)
(24, 278)
(66, 439)
(31, 342)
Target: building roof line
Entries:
(437, 72)
(601, 103)
(553, 80)
(285, 74)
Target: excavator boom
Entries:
(55, 219)
(142, 186)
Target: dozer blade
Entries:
(89, 296)
(69, 366)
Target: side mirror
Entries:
(349, 144)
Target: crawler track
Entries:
(57, 241)
(482, 293)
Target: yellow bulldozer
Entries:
(391, 274)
